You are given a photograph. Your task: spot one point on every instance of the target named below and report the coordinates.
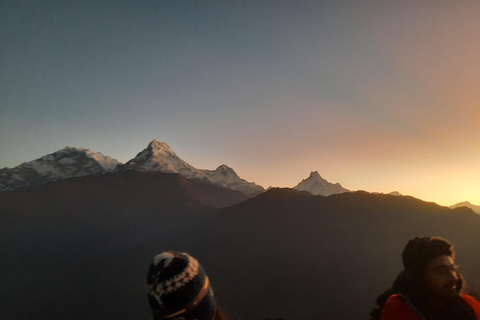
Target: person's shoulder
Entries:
(397, 308)
(395, 299)
(395, 303)
(471, 300)
(473, 303)
(468, 297)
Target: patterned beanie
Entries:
(419, 251)
(178, 288)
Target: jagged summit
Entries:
(70, 155)
(315, 175)
(161, 148)
(158, 156)
(158, 144)
(316, 185)
(226, 171)
(224, 167)
(66, 163)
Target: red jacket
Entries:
(397, 308)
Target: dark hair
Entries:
(419, 251)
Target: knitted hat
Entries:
(178, 288)
(419, 251)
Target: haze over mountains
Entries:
(79, 247)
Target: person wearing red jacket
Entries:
(430, 286)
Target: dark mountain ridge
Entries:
(138, 188)
(79, 248)
(317, 253)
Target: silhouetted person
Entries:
(429, 287)
(179, 289)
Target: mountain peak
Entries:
(395, 193)
(160, 148)
(224, 168)
(315, 175)
(225, 172)
(62, 164)
(316, 185)
(316, 178)
(158, 156)
(65, 155)
(467, 204)
(156, 144)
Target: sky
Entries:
(376, 95)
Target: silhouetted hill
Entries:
(319, 253)
(57, 240)
(283, 254)
(467, 204)
(113, 191)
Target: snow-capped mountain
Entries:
(159, 157)
(467, 204)
(66, 163)
(316, 185)
(72, 162)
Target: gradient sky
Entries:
(376, 95)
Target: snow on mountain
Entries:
(467, 204)
(158, 156)
(66, 163)
(395, 193)
(316, 185)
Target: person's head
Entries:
(178, 288)
(431, 260)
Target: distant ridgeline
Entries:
(157, 157)
(82, 245)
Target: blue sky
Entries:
(376, 95)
